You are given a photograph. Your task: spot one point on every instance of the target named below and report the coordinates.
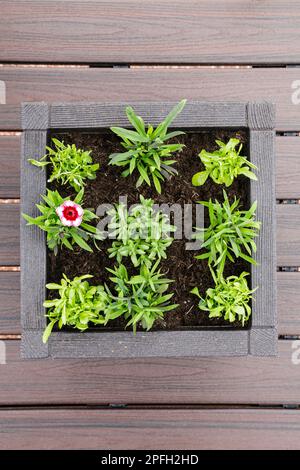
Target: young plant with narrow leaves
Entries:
(229, 299)
(231, 233)
(224, 165)
(69, 165)
(147, 151)
(143, 233)
(141, 299)
(78, 304)
(65, 222)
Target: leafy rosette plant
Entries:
(143, 234)
(147, 151)
(69, 165)
(141, 298)
(224, 165)
(231, 233)
(78, 304)
(66, 222)
(229, 299)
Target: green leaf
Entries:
(81, 242)
(200, 178)
(136, 121)
(156, 183)
(48, 331)
(130, 135)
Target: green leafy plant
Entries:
(70, 165)
(141, 298)
(224, 165)
(229, 298)
(65, 222)
(78, 304)
(231, 233)
(142, 233)
(146, 149)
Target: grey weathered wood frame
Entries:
(259, 340)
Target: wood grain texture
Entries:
(33, 240)
(150, 429)
(151, 344)
(195, 114)
(287, 161)
(10, 166)
(10, 117)
(288, 235)
(10, 303)
(288, 167)
(233, 31)
(288, 229)
(288, 303)
(232, 380)
(9, 234)
(115, 85)
(262, 191)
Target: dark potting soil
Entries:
(180, 264)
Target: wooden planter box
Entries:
(259, 340)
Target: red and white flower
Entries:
(70, 214)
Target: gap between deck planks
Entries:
(235, 380)
(107, 84)
(287, 172)
(288, 298)
(223, 31)
(150, 429)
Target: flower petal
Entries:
(79, 210)
(77, 222)
(66, 222)
(59, 211)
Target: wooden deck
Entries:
(130, 50)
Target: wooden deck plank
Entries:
(288, 296)
(207, 429)
(9, 234)
(288, 234)
(288, 167)
(288, 229)
(10, 166)
(63, 84)
(288, 303)
(10, 303)
(10, 117)
(239, 380)
(287, 172)
(224, 31)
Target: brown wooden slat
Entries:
(9, 234)
(150, 429)
(10, 303)
(235, 380)
(232, 31)
(62, 84)
(288, 167)
(10, 166)
(10, 116)
(288, 234)
(288, 303)
(288, 293)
